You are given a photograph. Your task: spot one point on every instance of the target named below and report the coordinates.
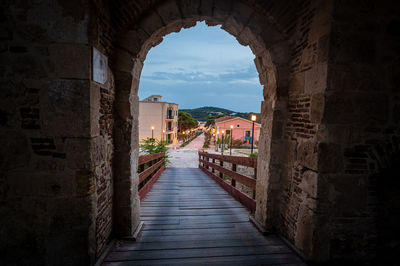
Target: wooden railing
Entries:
(209, 167)
(150, 167)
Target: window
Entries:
(169, 125)
(247, 133)
(237, 125)
(169, 114)
(155, 99)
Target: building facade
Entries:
(242, 128)
(158, 119)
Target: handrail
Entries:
(245, 161)
(150, 167)
(206, 165)
(149, 157)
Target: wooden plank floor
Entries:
(191, 220)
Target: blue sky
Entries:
(202, 66)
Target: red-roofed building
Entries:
(220, 119)
(241, 127)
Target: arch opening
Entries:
(272, 66)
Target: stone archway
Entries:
(271, 50)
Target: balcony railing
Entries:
(170, 117)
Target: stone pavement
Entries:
(187, 156)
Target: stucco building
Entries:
(242, 128)
(158, 119)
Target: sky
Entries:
(202, 66)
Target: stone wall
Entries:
(329, 150)
(47, 182)
(362, 130)
(299, 181)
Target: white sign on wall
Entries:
(100, 63)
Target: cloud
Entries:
(202, 66)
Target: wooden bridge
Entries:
(189, 219)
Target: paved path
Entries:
(190, 220)
(186, 156)
(197, 143)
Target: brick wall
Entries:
(103, 167)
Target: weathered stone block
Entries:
(307, 154)
(71, 60)
(151, 23)
(305, 226)
(350, 195)
(189, 8)
(94, 109)
(280, 53)
(123, 61)
(241, 12)
(85, 183)
(78, 153)
(222, 9)
(296, 84)
(206, 8)
(169, 11)
(133, 40)
(66, 108)
(15, 150)
(309, 183)
(316, 79)
(232, 26)
(317, 107)
(330, 158)
(98, 151)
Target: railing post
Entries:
(141, 167)
(221, 163)
(255, 177)
(212, 169)
(233, 182)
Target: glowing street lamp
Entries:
(152, 132)
(253, 118)
(222, 142)
(216, 146)
(230, 150)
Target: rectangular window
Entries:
(247, 133)
(170, 114)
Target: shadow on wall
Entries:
(388, 212)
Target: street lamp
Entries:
(162, 136)
(216, 146)
(152, 132)
(230, 151)
(222, 142)
(253, 118)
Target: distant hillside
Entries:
(203, 113)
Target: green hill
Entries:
(203, 113)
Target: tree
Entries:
(186, 121)
(210, 122)
(154, 146)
